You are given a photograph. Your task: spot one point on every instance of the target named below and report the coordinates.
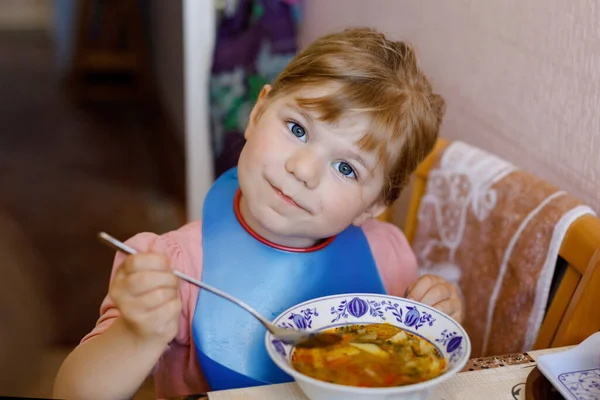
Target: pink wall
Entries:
(521, 79)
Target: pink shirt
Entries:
(178, 372)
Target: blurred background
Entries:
(117, 115)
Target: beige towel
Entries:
(495, 231)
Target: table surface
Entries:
(498, 377)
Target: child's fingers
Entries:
(143, 291)
(422, 286)
(437, 293)
(168, 311)
(447, 306)
(139, 310)
(139, 283)
(162, 315)
(154, 299)
(457, 316)
(146, 261)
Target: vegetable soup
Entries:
(372, 355)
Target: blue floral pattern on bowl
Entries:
(349, 309)
(357, 308)
(301, 320)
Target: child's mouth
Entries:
(286, 198)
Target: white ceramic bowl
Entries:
(358, 308)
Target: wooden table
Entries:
(501, 377)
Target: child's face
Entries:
(302, 179)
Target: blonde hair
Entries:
(378, 77)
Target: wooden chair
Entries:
(564, 322)
(582, 317)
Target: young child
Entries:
(329, 146)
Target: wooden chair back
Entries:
(582, 317)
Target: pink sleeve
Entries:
(393, 255)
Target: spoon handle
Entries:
(129, 250)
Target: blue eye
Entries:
(297, 130)
(345, 169)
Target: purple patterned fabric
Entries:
(254, 43)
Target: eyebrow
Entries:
(358, 158)
(300, 111)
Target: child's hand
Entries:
(438, 293)
(145, 292)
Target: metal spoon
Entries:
(289, 336)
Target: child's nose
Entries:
(305, 166)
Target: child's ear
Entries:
(257, 110)
(374, 211)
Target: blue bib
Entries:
(230, 343)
